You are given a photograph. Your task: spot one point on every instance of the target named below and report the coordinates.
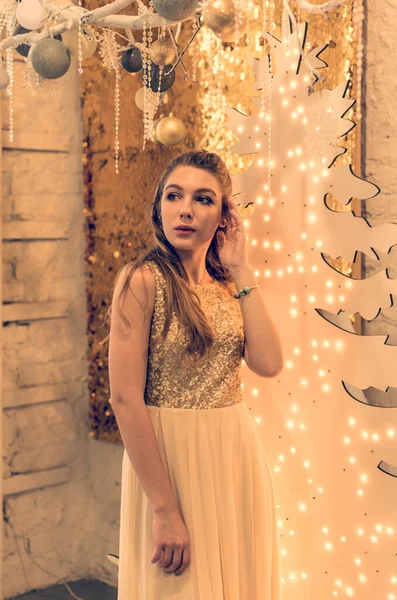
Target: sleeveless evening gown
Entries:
(216, 464)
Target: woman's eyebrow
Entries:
(175, 185)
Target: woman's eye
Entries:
(209, 201)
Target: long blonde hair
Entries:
(180, 296)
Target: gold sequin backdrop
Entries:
(117, 207)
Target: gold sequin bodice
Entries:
(174, 378)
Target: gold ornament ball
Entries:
(221, 17)
(71, 40)
(162, 52)
(170, 131)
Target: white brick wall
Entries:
(49, 501)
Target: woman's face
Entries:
(191, 197)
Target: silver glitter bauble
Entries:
(50, 58)
(176, 10)
(23, 49)
(222, 17)
(162, 52)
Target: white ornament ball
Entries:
(151, 96)
(140, 98)
(176, 10)
(170, 131)
(4, 79)
(50, 58)
(30, 14)
(71, 40)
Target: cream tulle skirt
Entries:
(225, 492)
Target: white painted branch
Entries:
(72, 14)
(319, 8)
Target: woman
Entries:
(197, 517)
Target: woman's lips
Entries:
(184, 231)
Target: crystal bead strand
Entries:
(117, 117)
(10, 87)
(149, 92)
(269, 108)
(358, 17)
(80, 51)
(145, 61)
(268, 9)
(194, 51)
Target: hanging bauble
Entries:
(162, 51)
(140, 98)
(23, 49)
(176, 10)
(221, 16)
(170, 131)
(167, 77)
(151, 97)
(30, 14)
(4, 79)
(50, 58)
(131, 60)
(71, 40)
(153, 131)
